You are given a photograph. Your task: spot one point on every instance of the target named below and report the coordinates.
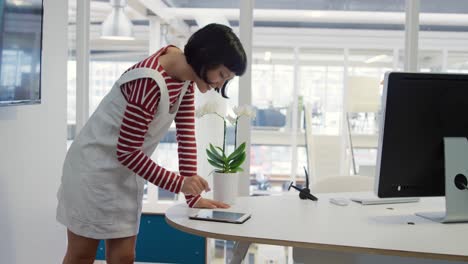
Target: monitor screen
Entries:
(20, 51)
(419, 110)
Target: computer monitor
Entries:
(419, 110)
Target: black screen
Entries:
(420, 110)
(20, 51)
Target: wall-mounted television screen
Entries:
(20, 51)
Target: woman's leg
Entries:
(80, 250)
(120, 250)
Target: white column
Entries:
(245, 88)
(154, 34)
(396, 58)
(154, 45)
(295, 113)
(444, 60)
(411, 35)
(82, 62)
(344, 168)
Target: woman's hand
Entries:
(194, 185)
(210, 204)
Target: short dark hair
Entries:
(212, 46)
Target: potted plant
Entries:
(226, 165)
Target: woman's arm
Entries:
(142, 97)
(185, 134)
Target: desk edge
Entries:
(326, 247)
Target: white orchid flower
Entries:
(245, 110)
(237, 110)
(231, 119)
(199, 113)
(208, 108)
(251, 113)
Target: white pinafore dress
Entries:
(99, 197)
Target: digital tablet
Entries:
(220, 216)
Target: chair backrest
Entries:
(350, 183)
(324, 152)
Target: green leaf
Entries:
(221, 150)
(238, 161)
(215, 152)
(214, 157)
(237, 152)
(216, 164)
(236, 157)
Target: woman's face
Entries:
(215, 78)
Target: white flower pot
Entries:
(225, 187)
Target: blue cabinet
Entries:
(159, 242)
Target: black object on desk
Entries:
(304, 193)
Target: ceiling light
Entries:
(376, 58)
(117, 26)
(267, 56)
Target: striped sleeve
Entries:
(185, 134)
(142, 96)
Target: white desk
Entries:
(371, 229)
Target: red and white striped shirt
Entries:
(143, 96)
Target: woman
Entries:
(106, 166)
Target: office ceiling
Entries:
(301, 15)
(428, 6)
(101, 8)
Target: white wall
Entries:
(32, 149)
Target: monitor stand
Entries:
(456, 192)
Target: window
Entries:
(457, 61)
(322, 74)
